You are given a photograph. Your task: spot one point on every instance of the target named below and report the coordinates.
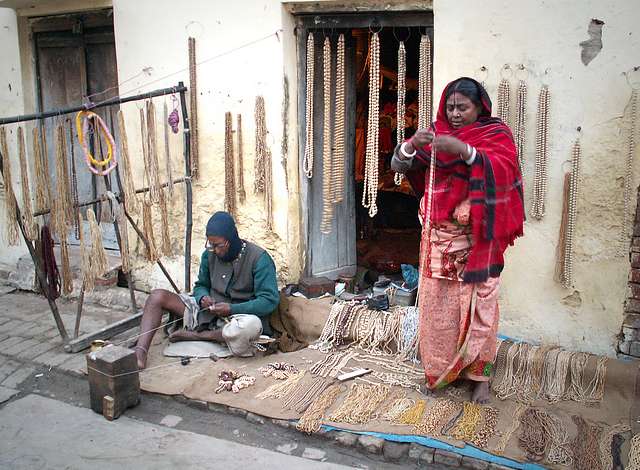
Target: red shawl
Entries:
(493, 183)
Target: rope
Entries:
(540, 179)
(307, 165)
(49, 262)
(142, 371)
(11, 204)
(167, 149)
(401, 108)
(88, 277)
(241, 192)
(338, 160)
(165, 233)
(424, 83)
(131, 202)
(327, 172)
(193, 108)
(370, 189)
(41, 170)
(229, 174)
(30, 228)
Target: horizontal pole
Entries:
(104, 198)
(88, 106)
(109, 331)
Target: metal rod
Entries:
(119, 196)
(146, 242)
(188, 189)
(111, 101)
(44, 285)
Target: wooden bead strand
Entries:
(242, 195)
(504, 98)
(370, 191)
(401, 107)
(628, 175)
(424, 83)
(308, 146)
(229, 173)
(521, 121)
(567, 276)
(339, 125)
(541, 160)
(327, 173)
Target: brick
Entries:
(38, 329)
(370, 444)
(634, 275)
(632, 321)
(394, 451)
(631, 334)
(22, 346)
(475, 464)
(18, 376)
(254, 418)
(39, 348)
(632, 306)
(11, 325)
(634, 291)
(52, 358)
(427, 456)
(347, 439)
(634, 349)
(624, 347)
(7, 368)
(24, 329)
(447, 458)
(414, 451)
(9, 342)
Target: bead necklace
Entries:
(486, 427)
(413, 415)
(534, 438)
(278, 370)
(338, 160)
(284, 142)
(242, 195)
(400, 108)
(540, 179)
(628, 174)
(281, 389)
(370, 191)
(167, 148)
(465, 427)
(513, 427)
(567, 273)
(556, 368)
(229, 173)
(300, 398)
(634, 453)
(503, 100)
(424, 83)
(436, 416)
(41, 170)
(327, 172)
(311, 419)
(74, 185)
(361, 403)
(193, 108)
(307, 165)
(521, 122)
(398, 406)
(586, 444)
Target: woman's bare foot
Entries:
(426, 391)
(141, 356)
(480, 393)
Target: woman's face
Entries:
(461, 111)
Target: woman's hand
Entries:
(421, 138)
(462, 212)
(449, 144)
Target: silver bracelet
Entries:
(404, 152)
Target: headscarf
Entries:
(221, 224)
(493, 183)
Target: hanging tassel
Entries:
(99, 265)
(131, 202)
(11, 204)
(167, 151)
(30, 228)
(229, 173)
(60, 213)
(151, 251)
(152, 167)
(521, 122)
(121, 220)
(241, 193)
(67, 278)
(41, 170)
(263, 173)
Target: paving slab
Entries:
(9, 343)
(21, 346)
(18, 376)
(39, 348)
(7, 366)
(7, 393)
(88, 438)
(53, 358)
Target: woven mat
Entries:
(198, 380)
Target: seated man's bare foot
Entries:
(187, 335)
(141, 356)
(480, 393)
(182, 335)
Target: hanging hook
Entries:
(522, 72)
(506, 67)
(375, 24)
(483, 71)
(405, 39)
(634, 84)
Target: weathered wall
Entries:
(546, 37)
(11, 103)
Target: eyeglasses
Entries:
(214, 246)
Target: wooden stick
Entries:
(76, 329)
(189, 209)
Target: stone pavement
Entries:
(66, 436)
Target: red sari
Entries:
(461, 265)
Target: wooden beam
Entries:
(321, 7)
(109, 331)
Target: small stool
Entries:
(113, 372)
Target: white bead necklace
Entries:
(424, 83)
(628, 176)
(567, 275)
(400, 108)
(540, 171)
(370, 190)
(327, 199)
(339, 126)
(307, 165)
(521, 122)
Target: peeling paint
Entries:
(592, 46)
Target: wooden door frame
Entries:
(319, 22)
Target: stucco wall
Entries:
(545, 37)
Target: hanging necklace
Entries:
(540, 171)
(74, 185)
(308, 145)
(628, 176)
(521, 120)
(241, 193)
(567, 277)
(327, 180)
(339, 126)
(370, 189)
(424, 83)
(400, 109)
(229, 177)
(504, 97)
(193, 107)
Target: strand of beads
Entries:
(229, 173)
(400, 108)
(339, 126)
(327, 183)
(540, 171)
(424, 83)
(567, 275)
(370, 191)
(308, 145)
(521, 121)
(628, 175)
(503, 100)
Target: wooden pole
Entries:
(76, 328)
(189, 195)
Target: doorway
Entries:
(392, 237)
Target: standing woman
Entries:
(476, 212)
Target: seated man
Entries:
(236, 277)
